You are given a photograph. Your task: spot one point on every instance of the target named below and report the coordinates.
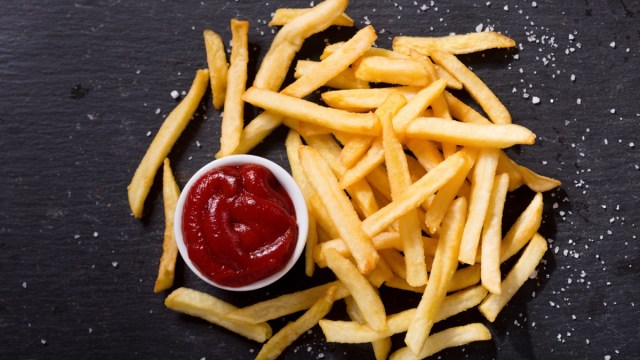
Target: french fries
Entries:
(405, 183)
(162, 143)
(170, 194)
(233, 115)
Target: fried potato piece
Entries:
(215, 311)
(492, 235)
(283, 16)
(454, 44)
(233, 115)
(391, 70)
(455, 336)
(523, 229)
(170, 195)
(162, 143)
(344, 80)
(478, 90)
(218, 67)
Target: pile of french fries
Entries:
(406, 184)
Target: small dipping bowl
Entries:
(289, 185)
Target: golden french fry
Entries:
(162, 143)
(354, 148)
(447, 193)
(480, 92)
(272, 349)
(354, 332)
(215, 311)
(492, 235)
(344, 80)
(304, 110)
(374, 51)
(380, 274)
(452, 82)
(456, 336)
(523, 229)
(361, 290)
(415, 194)
(509, 167)
(481, 185)
(417, 105)
(384, 240)
(391, 70)
(520, 272)
(400, 180)
(285, 304)
(218, 67)
(454, 44)
(284, 16)
(361, 100)
(468, 134)
(233, 115)
(329, 68)
(312, 242)
(339, 209)
(426, 152)
(536, 182)
(444, 266)
(170, 195)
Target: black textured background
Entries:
(80, 85)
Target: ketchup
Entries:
(239, 224)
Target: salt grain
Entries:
(535, 100)
(175, 94)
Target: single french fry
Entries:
(523, 229)
(380, 274)
(283, 16)
(509, 167)
(444, 266)
(218, 67)
(454, 44)
(447, 193)
(374, 51)
(480, 92)
(415, 194)
(355, 332)
(391, 70)
(452, 82)
(520, 272)
(481, 185)
(384, 240)
(272, 349)
(537, 182)
(417, 105)
(233, 115)
(455, 336)
(354, 148)
(334, 64)
(400, 180)
(468, 134)
(340, 210)
(361, 290)
(361, 100)
(286, 304)
(215, 311)
(382, 346)
(170, 195)
(344, 80)
(162, 143)
(308, 111)
(492, 235)
(312, 242)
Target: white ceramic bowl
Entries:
(290, 186)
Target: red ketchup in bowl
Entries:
(239, 224)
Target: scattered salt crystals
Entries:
(24, 284)
(631, 144)
(516, 56)
(158, 111)
(95, 234)
(148, 133)
(613, 44)
(573, 77)
(607, 357)
(198, 144)
(535, 100)
(175, 94)
(613, 111)
(90, 330)
(534, 4)
(578, 101)
(43, 341)
(114, 264)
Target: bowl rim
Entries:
(290, 186)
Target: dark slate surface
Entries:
(80, 85)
